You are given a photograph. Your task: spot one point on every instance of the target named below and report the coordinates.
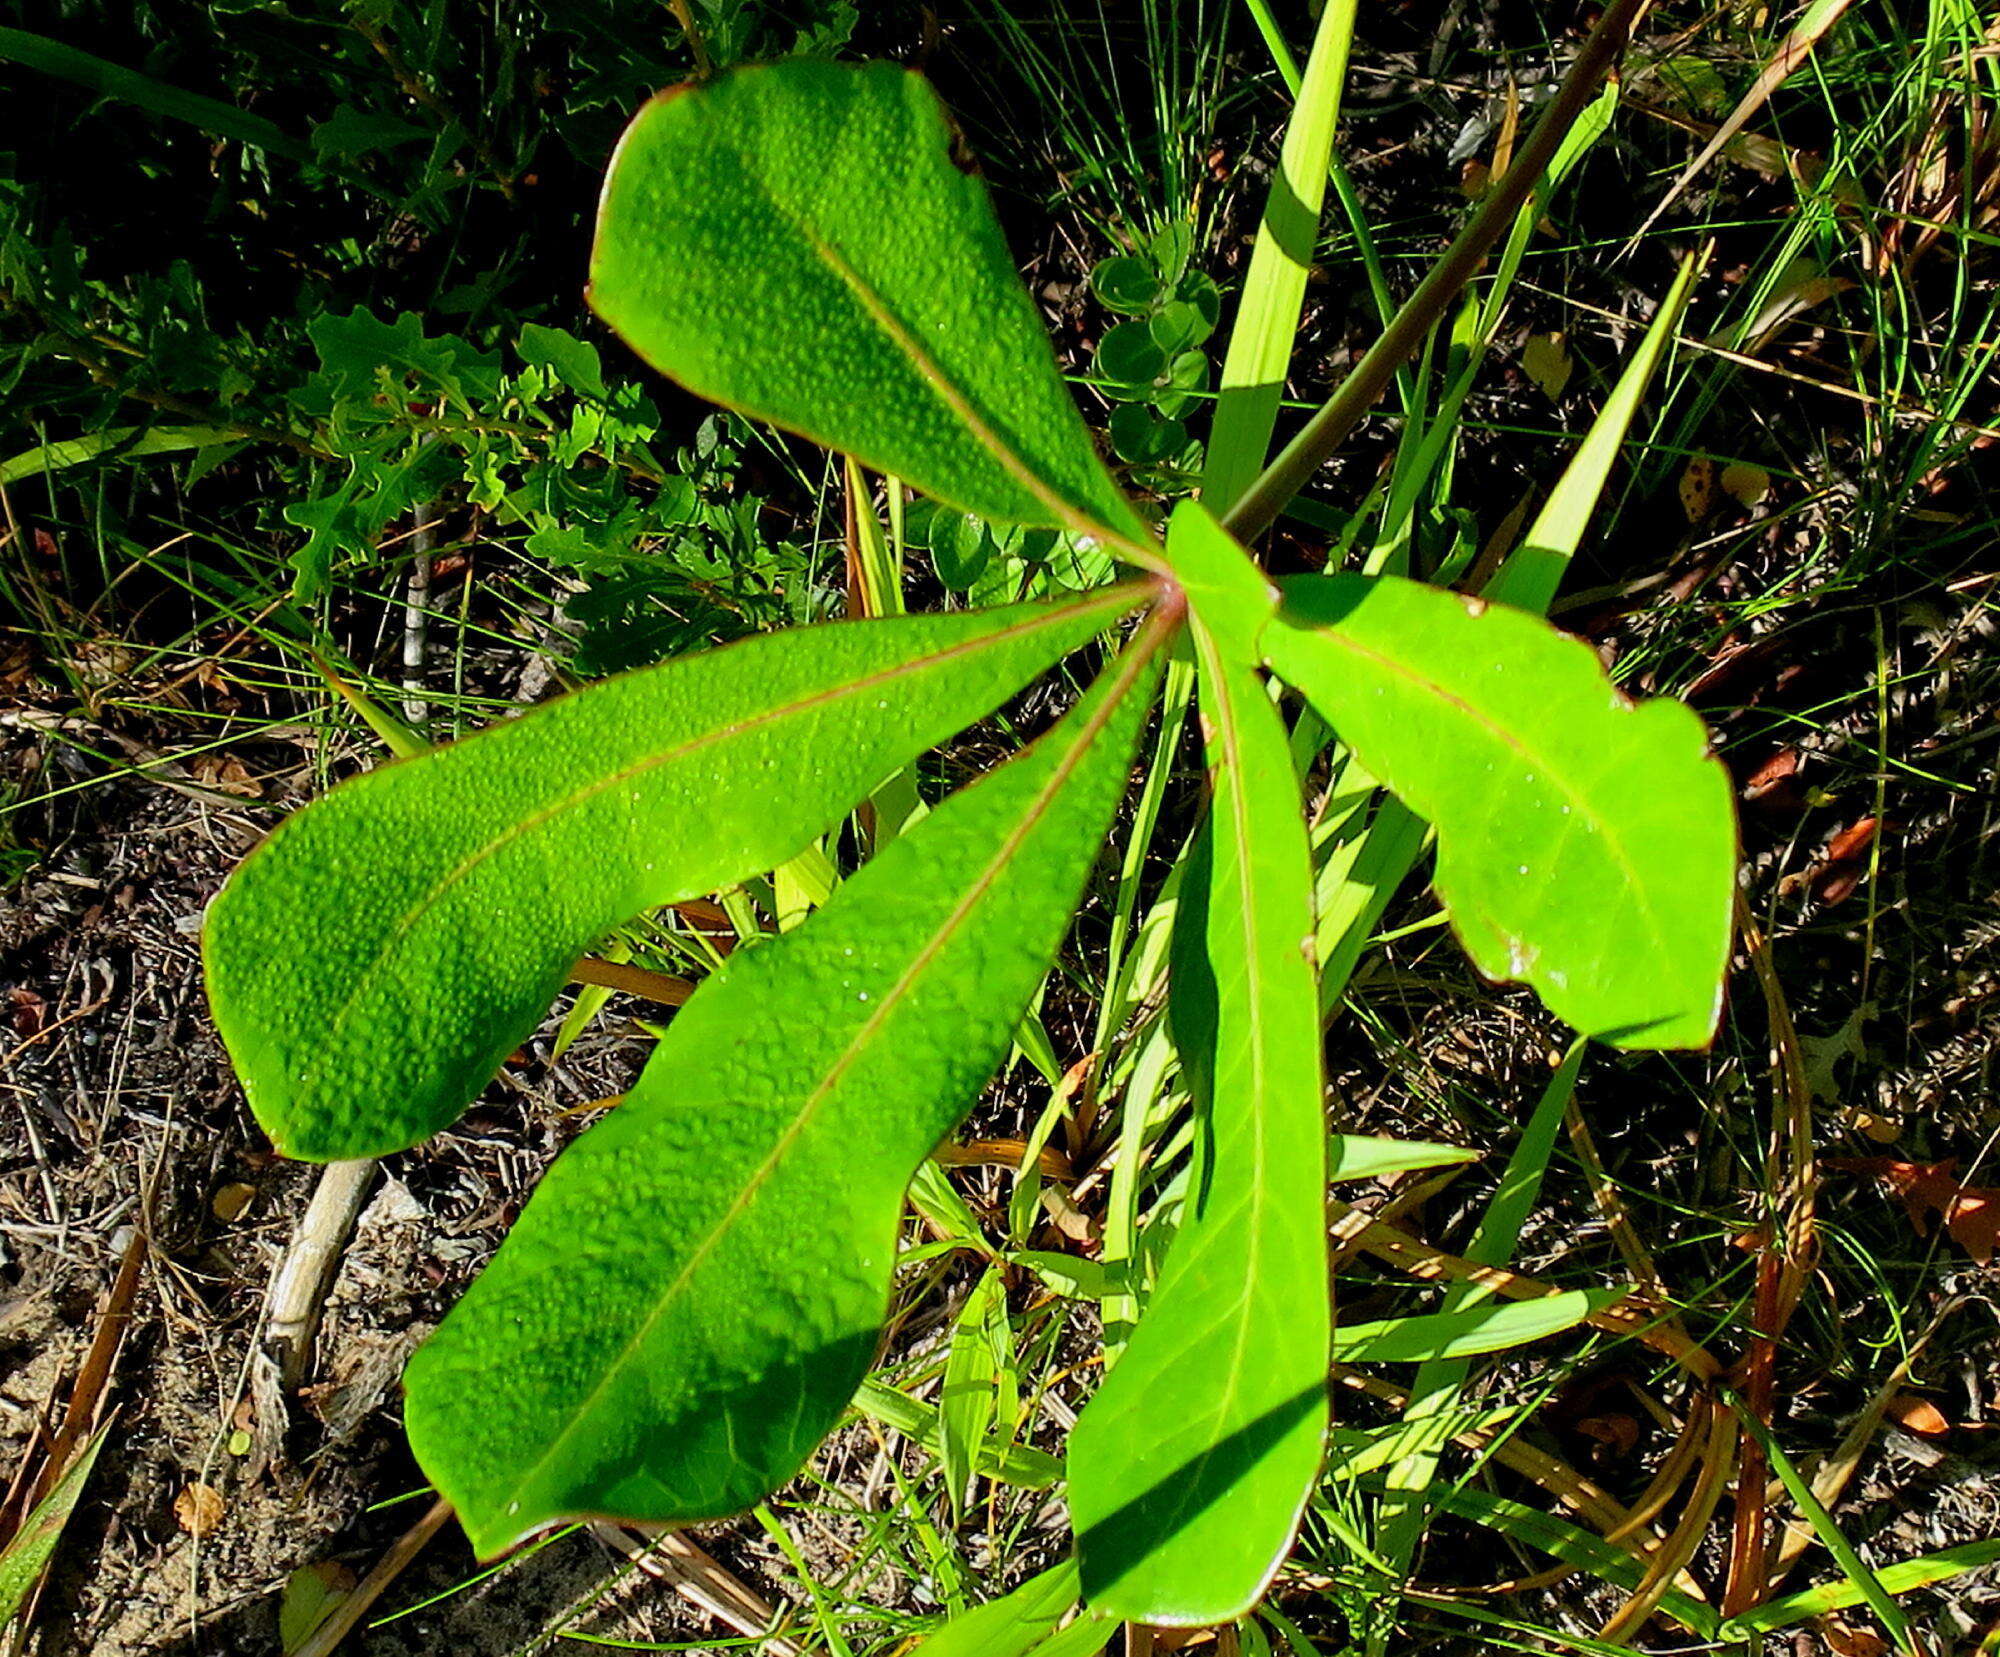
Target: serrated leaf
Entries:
(694, 1292)
(1191, 1466)
(572, 361)
(371, 964)
(794, 239)
(1586, 844)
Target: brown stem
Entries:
(622, 975)
(1260, 505)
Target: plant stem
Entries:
(1260, 505)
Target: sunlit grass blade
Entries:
(1575, 1546)
(1435, 1336)
(1531, 573)
(1868, 1587)
(28, 1552)
(1903, 1577)
(372, 963)
(1191, 1466)
(1265, 330)
(1013, 1625)
(695, 1291)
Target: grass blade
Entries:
(1266, 327)
(1011, 1626)
(1467, 1333)
(30, 1549)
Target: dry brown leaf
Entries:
(1698, 489)
(1846, 1639)
(1917, 1415)
(231, 1201)
(226, 774)
(199, 1509)
(1971, 1213)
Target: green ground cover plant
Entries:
(661, 1338)
(1039, 1268)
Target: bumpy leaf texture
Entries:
(1586, 843)
(372, 963)
(800, 241)
(1191, 1466)
(700, 1279)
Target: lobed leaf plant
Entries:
(661, 1338)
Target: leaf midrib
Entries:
(1132, 664)
(1557, 774)
(1230, 734)
(1077, 520)
(365, 980)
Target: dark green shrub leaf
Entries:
(793, 239)
(1198, 289)
(1586, 844)
(1187, 375)
(1190, 1467)
(694, 1292)
(961, 545)
(1129, 355)
(371, 964)
(1141, 437)
(1172, 246)
(1125, 283)
(1179, 327)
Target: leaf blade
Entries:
(444, 898)
(1191, 1466)
(692, 1339)
(1586, 844)
(795, 240)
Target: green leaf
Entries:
(1126, 283)
(1191, 1466)
(1011, 1626)
(694, 1293)
(373, 962)
(349, 133)
(1484, 1328)
(570, 360)
(114, 443)
(1586, 844)
(30, 1549)
(794, 239)
(1265, 331)
(966, 1403)
(1128, 354)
